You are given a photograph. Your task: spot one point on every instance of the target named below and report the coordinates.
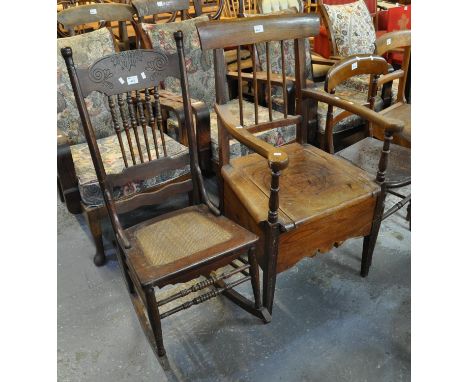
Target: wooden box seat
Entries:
(321, 196)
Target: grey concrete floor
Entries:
(329, 324)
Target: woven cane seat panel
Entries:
(179, 236)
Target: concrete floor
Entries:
(329, 324)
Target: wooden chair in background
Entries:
(298, 199)
(178, 246)
(77, 19)
(367, 153)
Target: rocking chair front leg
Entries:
(155, 320)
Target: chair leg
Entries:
(155, 320)
(93, 217)
(255, 278)
(269, 273)
(371, 239)
(408, 214)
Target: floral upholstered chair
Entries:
(77, 181)
(201, 79)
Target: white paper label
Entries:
(143, 75)
(93, 11)
(258, 28)
(277, 154)
(121, 80)
(132, 80)
(354, 66)
(389, 41)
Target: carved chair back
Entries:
(390, 42)
(356, 65)
(130, 80)
(251, 31)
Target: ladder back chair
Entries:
(75, 19)
(179, 246)
(297, 198)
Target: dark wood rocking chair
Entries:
(178, 246)
(321, 200)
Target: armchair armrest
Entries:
(390, 125)
(390, 77)
(277, 158)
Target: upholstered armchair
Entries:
(77, 181)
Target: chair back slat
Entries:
(240, 83)
(126, 125)
(159, 119)
(130, 80)
(283, 73)
(117, 128)
(141, 113)
(255, 83)
(255, 30)
(133, 122)
(268, 64)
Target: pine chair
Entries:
(178, 246)
(297, 198)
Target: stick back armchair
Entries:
(298, 199)
(179, 246)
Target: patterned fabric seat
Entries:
(200, 70)
(276, 137)
(113, 162)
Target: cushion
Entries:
(199, 64)
(352, 28)
(114, 164)
(87, 48)
(276, 137)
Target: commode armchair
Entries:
(297, 198)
